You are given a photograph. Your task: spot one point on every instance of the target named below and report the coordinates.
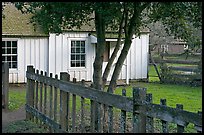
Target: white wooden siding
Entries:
(139, 57)
(53, 55)
(31, 51)
(59, 55)
(136, 65)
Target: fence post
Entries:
(123, 116)
(68, 105)
(139, 118)
(30, 92)
(164, 123)
(55, 102)
(63, 103)
(36, 95)
(150, 120)
(199, 128)
(5, 85)
(180, 129)
(74, 110)
(51, 104)
(82, 110)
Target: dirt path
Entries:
(8, 116)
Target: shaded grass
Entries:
(23, 126)
(17, 97)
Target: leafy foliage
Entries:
(176, 17)
(179, 19)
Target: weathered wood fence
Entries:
(5, 85)
(66, 106)
(189, 72)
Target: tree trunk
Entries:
(98, 63)
(119, 64)
(114, 54)
(100, 48)
(128, 40)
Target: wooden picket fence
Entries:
(52, 102)
(5, 85)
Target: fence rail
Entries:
(181, 74)
(139, 106)
(179, 61)
(5, 85)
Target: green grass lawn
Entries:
(190, 97)
(17, 96)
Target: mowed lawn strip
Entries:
(190, 97)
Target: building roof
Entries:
(17, 24)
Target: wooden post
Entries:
(30, 92)
(82, 110)
(139, 119)
(162, 66)
(74, 110)
(41, 96)
(68, 106)
(110, 117)
(36, 95)
(123, 116)
(5, 80)
(92, 116)
(155, 66)
(45, 97)
(99, 127)
(55, 101)
(150, 120)
(63, 103)
(164, 123)
(104, 122)
(199, 128)
(51, 101)
(180, 129)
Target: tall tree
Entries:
(129, 17)
(54, 17)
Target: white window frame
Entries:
(77, 39)
(10, 40)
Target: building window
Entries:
(9, 53)
(78, 55)
(164, 48)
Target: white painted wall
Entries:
(53, 55)
(139, 57)
(136, 63)
(31, 51)
(60, 52)
(134, 67)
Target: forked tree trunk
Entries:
(128, 40)
(114, 54)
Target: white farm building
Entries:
(72, 51)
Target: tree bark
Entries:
(114, 54)
(100, 48)
(98, 63)
(128, 40)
